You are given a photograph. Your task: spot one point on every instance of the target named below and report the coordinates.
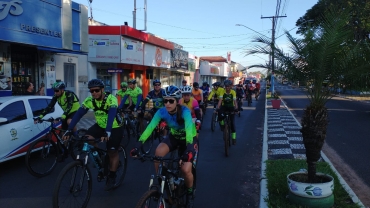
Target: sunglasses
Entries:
(171, 101)
(157, 85)
(94, 90)
(56, 90)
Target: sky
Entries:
(207, 27)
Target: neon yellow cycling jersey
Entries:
(217, 92)
(122, 94)
(228, 98)
(134, 93)
(101, 116)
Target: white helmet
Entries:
(185, 89)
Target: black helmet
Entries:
(156, 81)
(59, 85)
(228, 83)
(132, 81)
(195, 84)
(216, 84)
(205, 83)
(95, 83)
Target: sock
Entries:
(112, 174)
(190, 190)
(222, 122)
(233, 135)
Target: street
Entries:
(222, 181)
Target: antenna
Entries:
(90, 2)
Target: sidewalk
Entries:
(283, 140)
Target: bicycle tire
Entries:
(76, 176)
(226, 139)
(42, 161)
(213, 122)
(230, 137)
(122, 167)
(151, 199)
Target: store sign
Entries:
(41, 31)
(179, 59)
(11, 7)
(114, 70)
(131, 51)
(104, 48)
(156, 56)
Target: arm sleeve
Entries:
(145, 101)
(49, 107)
(111, 115)
(139, 99)
(151, 126)
(211, 94)
(189, 127)
(76, 118)
(123, 101)
(70, 100)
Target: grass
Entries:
(276, 173)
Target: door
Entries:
(103, 75)
(70, 76)
(16, 132)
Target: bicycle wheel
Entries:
(230, 137)
(122, 166)
(226, 138)
(213, 122)
(41, 157)
(151, 199)
(73, 186)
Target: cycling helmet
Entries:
(184, 81)
(195, 84)
(95, 83)
(132, 81)
(228, 83)
(59, 85)
(185, 89)
(124, 84)
(172, 91)
(156, 81)
(216, 84)
(205, 84)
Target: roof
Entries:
(213, 58)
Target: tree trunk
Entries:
(314, 126)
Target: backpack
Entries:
(68, 91)
(102, 107)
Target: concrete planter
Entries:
(311, 194)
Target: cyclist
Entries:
(191, 104)
(67, 100)
(198, 95)
(205, 89)
(250, 87)
(182, 135)
(106, 126)
(257, 90)
(184, 82)
(156, 95)
(228, 103)
(122, 92)
(135, 93)
(239, 94)
(216, 91)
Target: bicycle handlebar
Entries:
(51, 119)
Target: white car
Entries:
(17, 126)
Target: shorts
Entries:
(115, 138)
(173, 143)
(64, 121)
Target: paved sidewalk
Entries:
(283, 140)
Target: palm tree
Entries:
(326, 53)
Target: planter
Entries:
(311, 194)
(276, 104)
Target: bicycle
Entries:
(249, 98)
(43, 154)
(240, 104)
(168, 185)
(227, 132)
(214, 121)
(130, 125)
(205, 104)
(75, 179)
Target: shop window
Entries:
(138, 77)
(125, 75)
(22, 68)
(106, 78)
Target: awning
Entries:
(56, 50)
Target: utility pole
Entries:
(273, 50)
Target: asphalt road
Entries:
(222, 181)
(348, 131)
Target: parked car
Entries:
(17, 126)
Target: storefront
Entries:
(179, 66)
(136, 54)
(38, 51)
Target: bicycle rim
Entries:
(226, 139)
(151, 199)
(122, 167)
(73, 186)
(41, 157)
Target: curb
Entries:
(263, 182)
